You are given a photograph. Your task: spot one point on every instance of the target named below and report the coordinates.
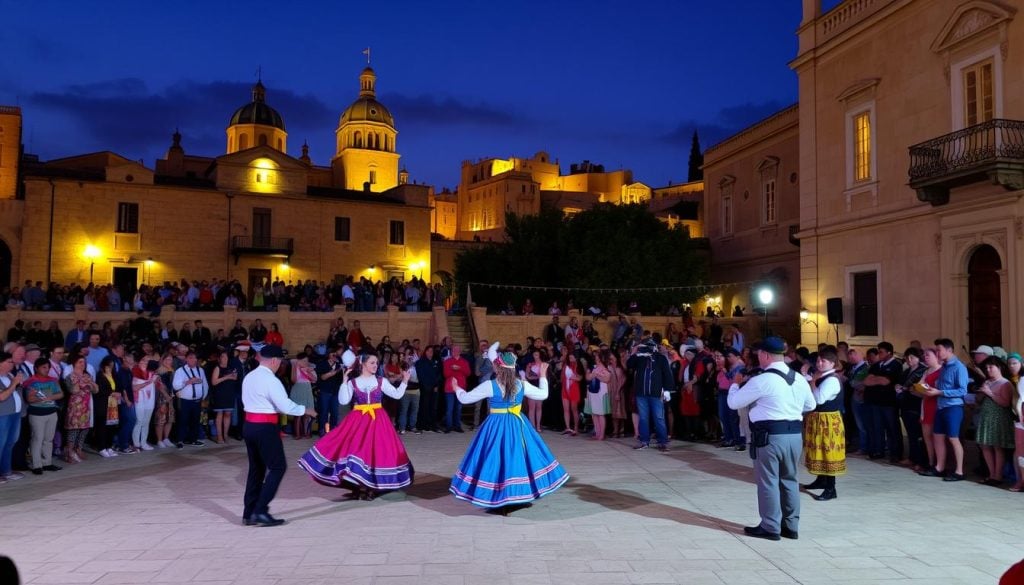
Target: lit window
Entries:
(373, 177)
(978, 100)
(862, 146)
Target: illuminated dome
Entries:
(366, 108)
(257, 111)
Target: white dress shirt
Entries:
(186, 391)
(263, 393)
(486, 390)
(827, 389)
(771, 398)
(59, 370)
(368, 385)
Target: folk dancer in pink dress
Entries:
(364, 453)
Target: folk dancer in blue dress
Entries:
(507, 465)
(364, 453)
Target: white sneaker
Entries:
(160, 445)
(167, 443)
(105, 453)
(147, 447)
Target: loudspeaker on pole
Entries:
(835, 310)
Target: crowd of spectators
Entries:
(146, 384)
(356, 294)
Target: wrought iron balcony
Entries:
(991, 151)
(260, 246)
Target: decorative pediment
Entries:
(726, 182)
(971, 19)
(858, 88)
(768, 163)
(254, 156)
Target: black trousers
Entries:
(189, 412)
(428, 408)
(266, 466)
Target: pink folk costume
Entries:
(364, 450)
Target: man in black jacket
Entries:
(652, 382)
(428, 371)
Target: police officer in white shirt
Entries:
(778, 397)
(191, 387)
(264, 398)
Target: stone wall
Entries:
(298, 328)
(516, 328)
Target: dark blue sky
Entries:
(614, 82)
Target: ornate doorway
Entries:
(984, 305)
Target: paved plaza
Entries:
(625, 517)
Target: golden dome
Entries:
(366, 108)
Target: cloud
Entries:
(428, 110)
(728, 121)
(128, 116)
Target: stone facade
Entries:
(751, 207)
(944, 255)
(253, 213)
(189, 232)
(491, 187)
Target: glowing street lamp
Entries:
(91, 252)
(766, 296)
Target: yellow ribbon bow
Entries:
(370, 409)
(516, 410)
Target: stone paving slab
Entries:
(626, 517)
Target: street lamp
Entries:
(149, 267)
(91, 252)
(765, 295)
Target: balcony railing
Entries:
(991, 150)
(260, 246)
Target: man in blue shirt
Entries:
(952, 387)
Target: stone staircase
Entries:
(458, 329)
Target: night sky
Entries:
(622, 84)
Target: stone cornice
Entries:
(754, 134)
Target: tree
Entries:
(607, 247)
(695, 173)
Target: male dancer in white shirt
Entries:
(264, 397)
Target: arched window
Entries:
(243, 141)
(359, 139)
(263, 139)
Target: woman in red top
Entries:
(929, 405)
(274, 336)
(393, 373)
(570, 392)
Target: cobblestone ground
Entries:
(626, 516)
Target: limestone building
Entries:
(491, 187)
(751, 211)
(680, 205)
(911, 125)
(254, 213)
